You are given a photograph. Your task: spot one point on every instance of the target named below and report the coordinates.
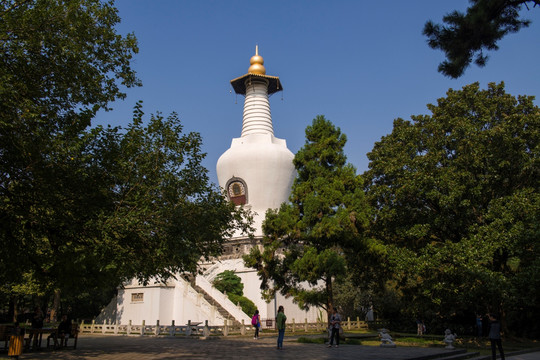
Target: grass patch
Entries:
(311, 340)
(348, 340)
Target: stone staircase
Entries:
(220, 309)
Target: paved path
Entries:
(527, 356)
(164, 348)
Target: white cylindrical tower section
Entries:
(257, 117)
(257, 171)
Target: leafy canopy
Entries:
(456, 202)
(231, 284)
(119, 204)
(83, 209)
(305, 239)
(467, 36)
(228, 282)
(60, 62)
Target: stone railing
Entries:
(204, 330)
(222, 299)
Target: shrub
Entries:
(247, 305)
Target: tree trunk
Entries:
(55, 306)
(13, 310)
(329, 299)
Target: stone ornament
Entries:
(449, 339)
(386, 339)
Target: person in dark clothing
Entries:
(61, 335)
(479, 327)
(37, 325)
(335, 322)
(495, 336)
(64, 330)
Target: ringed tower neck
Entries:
(256, 86)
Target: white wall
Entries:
(252, 290)
(176, 300)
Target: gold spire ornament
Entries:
(257, 62)
(256, 71)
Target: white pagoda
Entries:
(257, 171)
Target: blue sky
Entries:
(362, 64)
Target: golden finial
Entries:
(257, 62)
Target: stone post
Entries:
(348, 323)
(225, 328)
(293, 326)
(305, 325)
(104, 327)
(172, 329)
(156, 332)
(188, 328)
(92, 327)
(129, 328)
(358, 322)
(206, 330)
(243, 328)
(116, 328)
(142, 327)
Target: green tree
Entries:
(456, 199)
(60, 62)
(133, 203)
(83, 209)
(231, 284)
(306, 240)
(228, 282)
(467, 36)
(165, 214)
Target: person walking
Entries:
(479, 325)
(335, 322)
(256, 322)
(495, 336)
(419, 327)
(36, 328)
(280, 322)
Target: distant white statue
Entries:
(386, 339)
(369, 314)
(449, 339)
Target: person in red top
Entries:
(256, 321)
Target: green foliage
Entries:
(467, 36)
(248, 307)
(456, 199)
(311, 340)
(228, 282)
(351, 299)
(136, 203)
(60, 62)
(84, 209)
(231, 284)
(306, 240)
